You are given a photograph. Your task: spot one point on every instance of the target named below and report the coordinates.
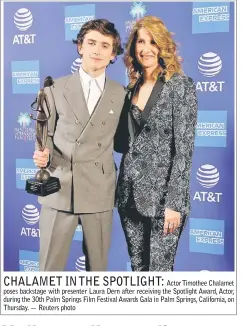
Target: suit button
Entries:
(96, 163)
(99, 144)
(147, 128)
(135, 154)
(103, 123)
(76, 121)
(166, 131)
(78, 142)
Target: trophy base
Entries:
(44, 188)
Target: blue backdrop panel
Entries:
(38, 42)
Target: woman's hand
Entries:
(172, 220)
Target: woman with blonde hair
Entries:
(156, 136)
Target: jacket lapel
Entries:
(148, 107)
(104, 104)
(152, 99)
(73, 92)
(131, 126)
(103, 107)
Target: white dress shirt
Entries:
(92, 88)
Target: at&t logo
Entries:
(208, 177)
(30, 215)
(75, 65)
(210, 65)
(23, 20)
(80, 264)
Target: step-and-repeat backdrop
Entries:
(38, 42)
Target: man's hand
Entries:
(41, 158)
(172, 220)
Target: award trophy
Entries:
(43, 184)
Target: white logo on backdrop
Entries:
(80, 264)
(208, 176)
(23, 19)
(75, 65)
(209, 64)
(138, 10)
(30, 214)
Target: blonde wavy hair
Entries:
(171, 62)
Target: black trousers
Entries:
(148, 247)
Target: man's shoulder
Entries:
(61, 81)
(117, 87)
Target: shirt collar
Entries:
(86, 78)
